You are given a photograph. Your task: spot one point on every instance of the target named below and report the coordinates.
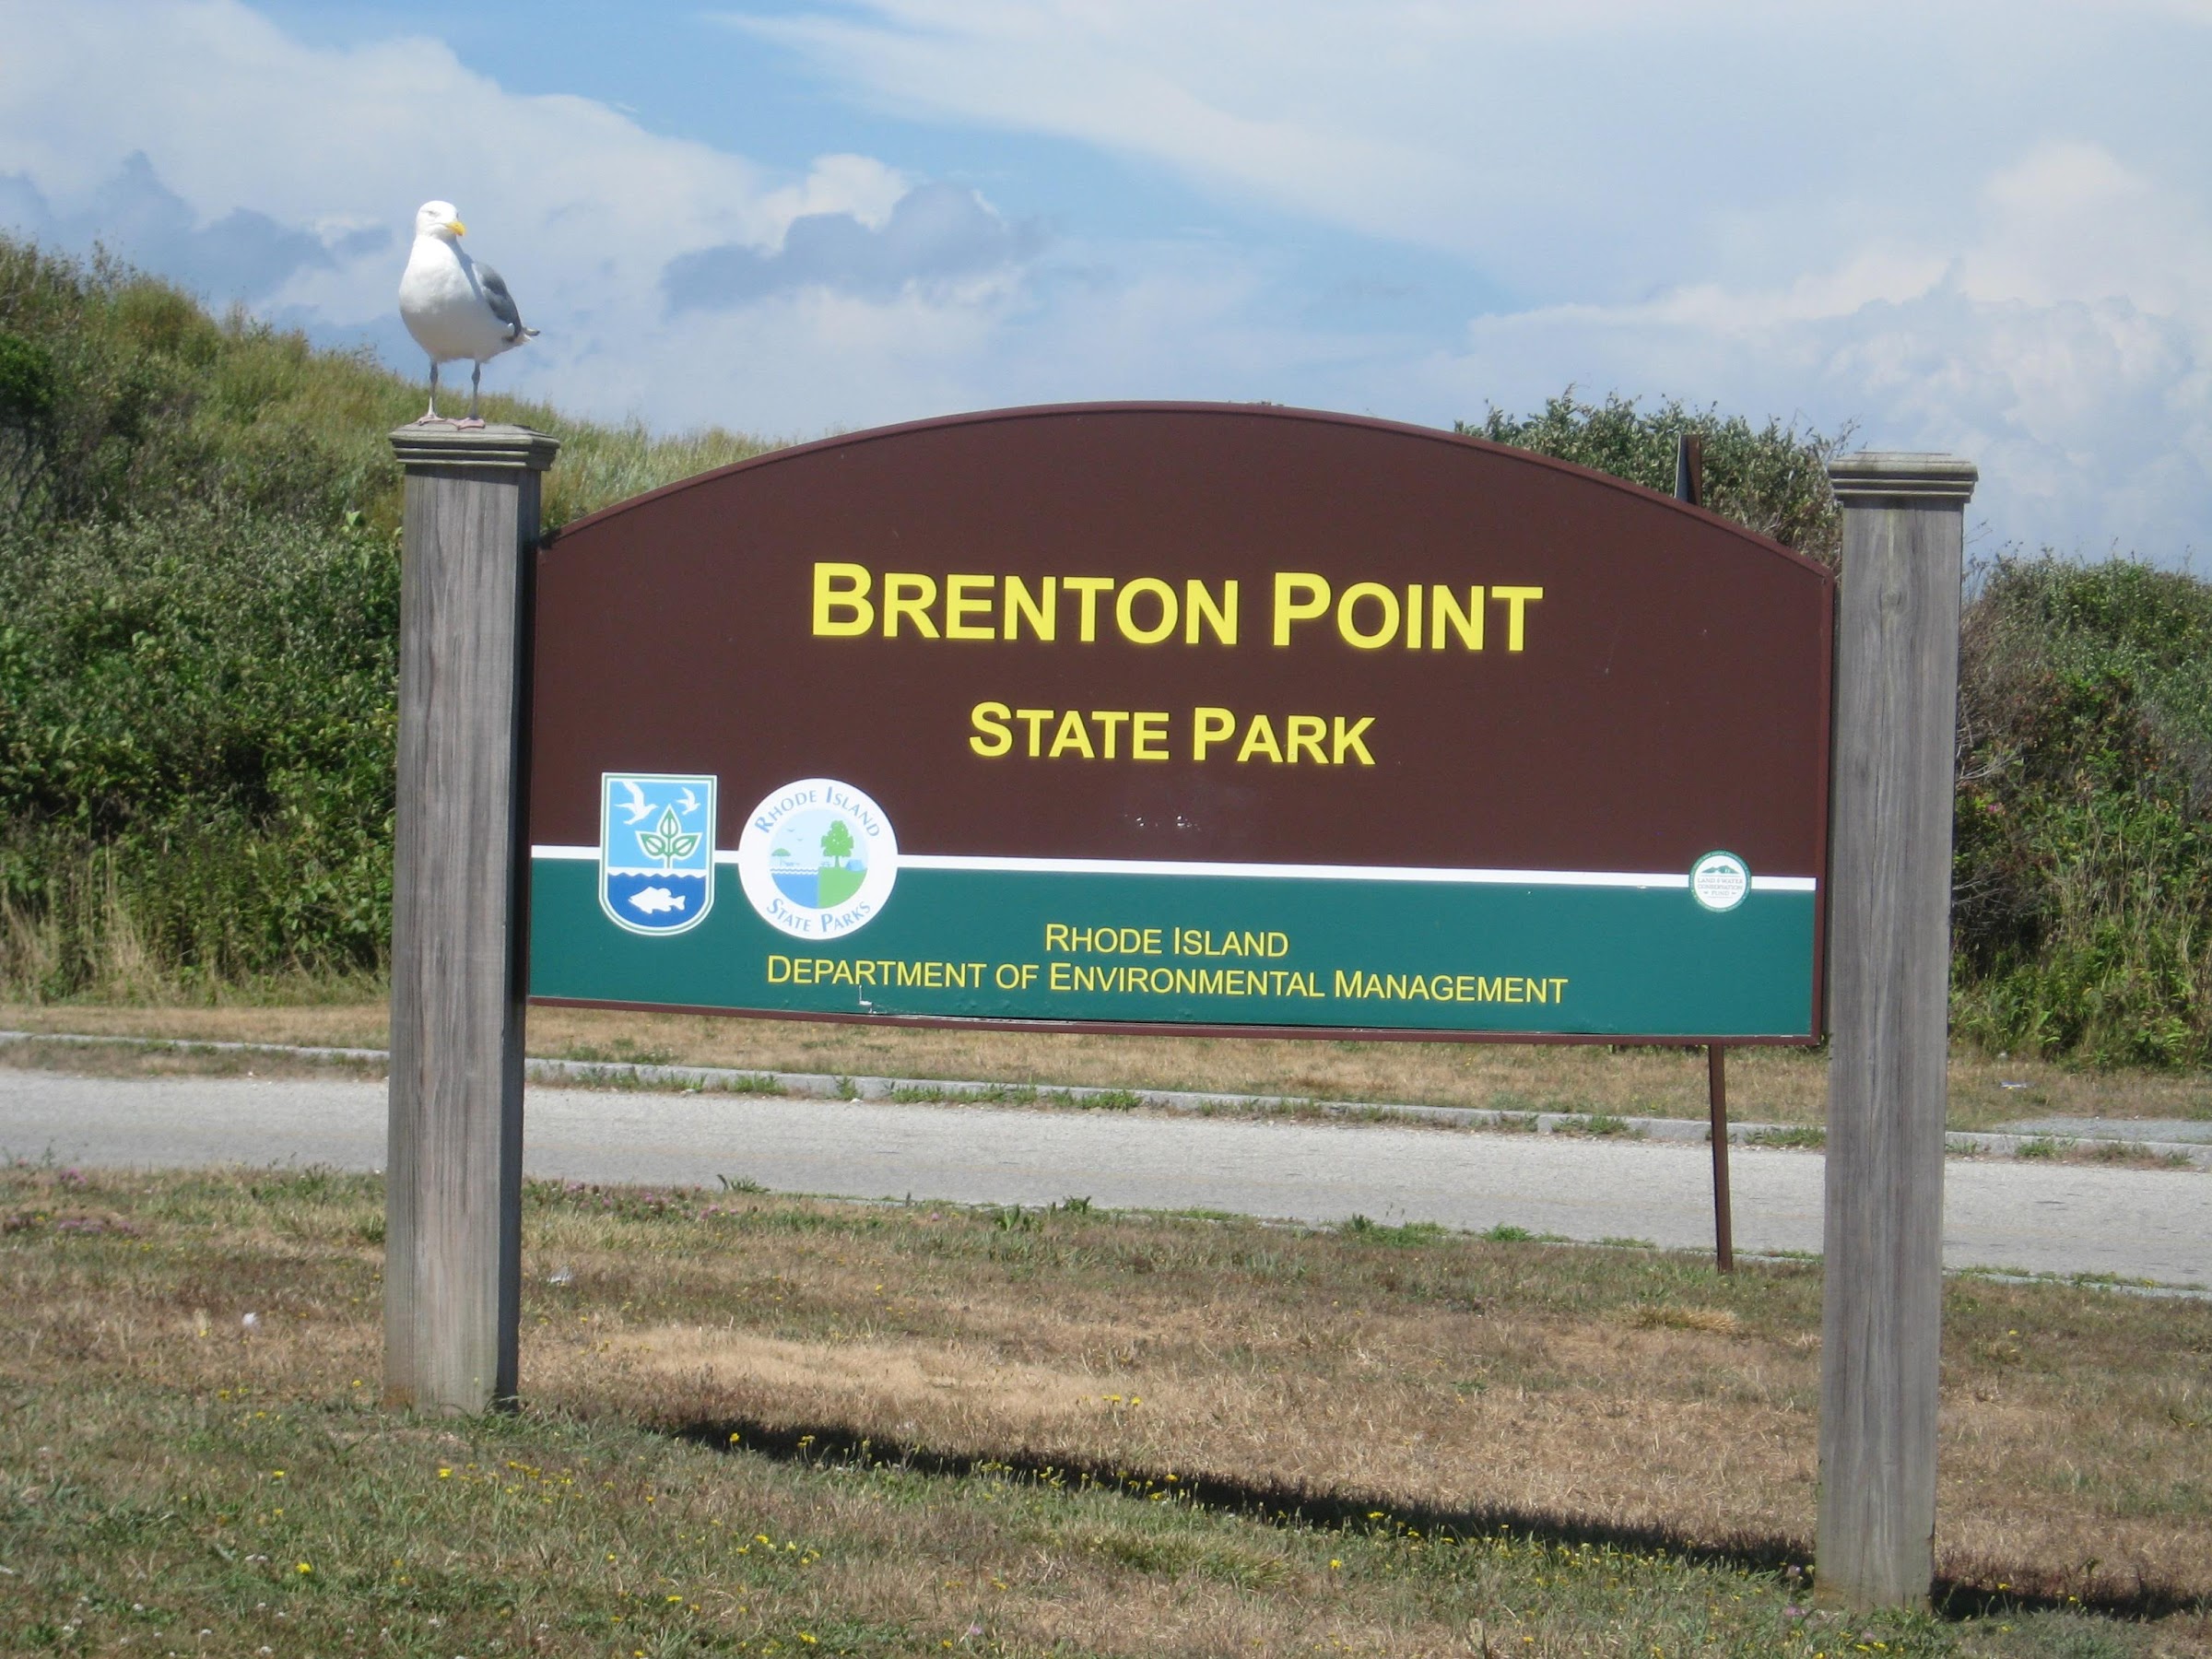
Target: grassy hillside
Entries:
(120, 396)
(199, 594)
(198, 603)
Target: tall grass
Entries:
(120, 396)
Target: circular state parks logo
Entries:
(818, 858)
(1720, 881)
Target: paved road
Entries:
(2140, 1224)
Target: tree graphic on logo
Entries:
(837, 843)
(667, 840)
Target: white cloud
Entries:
(2012, 257)
(2069, 222)
(2088, 410)
(1122, 75)
(1575, 149)
(236, 113)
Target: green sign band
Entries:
(1495, 952)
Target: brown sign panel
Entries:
(1182, 715)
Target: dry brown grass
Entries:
(1626, 1399)
(1604, 1438)
(1449, 1376)
(1777, 1086)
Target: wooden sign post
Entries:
(1888, 977)
(452, 1236)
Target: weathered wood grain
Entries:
(452, 1236)
(1897, 687)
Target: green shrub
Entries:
(197, 733)
(1772, 479)
(199, 591)
(2082, 908)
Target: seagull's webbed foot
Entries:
(468, 423)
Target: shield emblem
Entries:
(656, 850)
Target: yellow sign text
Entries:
(850, 601)
(1002, 730)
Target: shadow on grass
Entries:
(832, 1446)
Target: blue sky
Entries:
(1980, 228)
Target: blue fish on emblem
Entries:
(656, 850)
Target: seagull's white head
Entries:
(440, 219)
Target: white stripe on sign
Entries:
(1282, 872)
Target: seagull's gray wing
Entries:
(501, 302)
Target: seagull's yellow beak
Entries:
(456, 227)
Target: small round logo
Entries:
(817, 859)
(1720, 881)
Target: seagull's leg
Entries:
(430, 417)
(475, 389)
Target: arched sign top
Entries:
(1182, 715)
(1365, 423)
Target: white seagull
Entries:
(455, 307)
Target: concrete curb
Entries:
(827, 1086)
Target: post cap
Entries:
(500, 448)
(1874, 478)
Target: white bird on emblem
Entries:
(689, 800)
(455, 308)
(638, 810)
